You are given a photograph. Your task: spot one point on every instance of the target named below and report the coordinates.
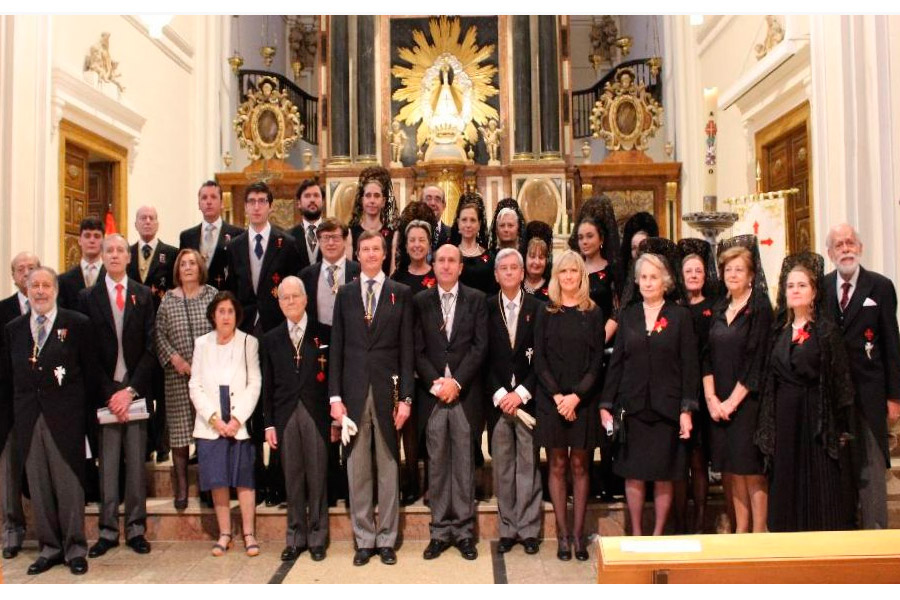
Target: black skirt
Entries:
(652, 450)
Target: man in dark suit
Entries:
(47, 360)
(310, 201)
(10, 464)
(371, 383)
(512, 315)
(258, 260)
(122, 316)
(151, 265)
(433, 196)
(293, 368)
(451, 343)
(89, 270)
(321, 281)
(212, 236)
(864, 303)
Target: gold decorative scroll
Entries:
(626, 116)
(267, 123)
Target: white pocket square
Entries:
(869, 302)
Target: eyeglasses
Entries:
(331, 237)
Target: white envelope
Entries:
(869, 302)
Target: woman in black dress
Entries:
(374, 210)
(697, 287)
(638, 227)
(538, 259)
(507, 227)
(652, 386)
(567, 356)
(807, 409)
(470, 234)
(732, 372)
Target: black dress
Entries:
(387, 233)
(567, 354)
(737, 353)
(808, 489)
(542, 293)
(600, 285)
(478, 273)
(416, 283)
(701, 313)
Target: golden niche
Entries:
(267, 123)
(626, 115)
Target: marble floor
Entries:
(191, 562)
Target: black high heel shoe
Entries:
(581, 552)
(563, 552)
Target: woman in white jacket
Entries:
(224, 387)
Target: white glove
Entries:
(348, 429)
(526, 419)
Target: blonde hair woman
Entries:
(568, 353)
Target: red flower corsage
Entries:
(545, 291)
(660, 324)
(320, 376)
(429, 282)
(601, 275)
(278, 242)
(870, 335)
(801, 336)
(707, 313)
(385, 232)
(485, 258)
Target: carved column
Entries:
(521, 77)
(340, 90)
(365, 88)
(549, 86)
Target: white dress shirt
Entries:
(511, 327)
(256, 263)
(376, 289)
(24, 306)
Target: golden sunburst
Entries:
(432, 66)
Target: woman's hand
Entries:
(685, 426)
(567, 405)
(221, 428)
(727, 408)
(182, 367)
(715, 407)
(233, 427)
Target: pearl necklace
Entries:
(647, 307)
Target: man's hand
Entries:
(272, 438)
(118, 404)
(557, 398)
(606, 418)
(685, 425)
(338, 410)
(447, 390)
(510, 403)
(401, 414)
(893, 409)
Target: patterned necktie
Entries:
(42, 331)
(329, 277)
(511, 321)
(370, 301)
(446, 299)
(311, 237)
(258, 250)
(120, 296)
(296, 335)
(146, 250)
(209, 240)
(91, 277)
(845, 299)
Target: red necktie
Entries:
(845, 299)
(120, 297)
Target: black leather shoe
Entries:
(11, 552)
(467, 549)
(532, 545)
(581, 552)
(180, 503)
(42, 565)
(505, 545)
(435, 548)
(291, 553)
(78, 566)
(102, 546)
(388, 556)
(362, 556)
(317, 553)
(139, 544)
(563, 551)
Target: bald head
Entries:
(292, 298)
(22, 265)
(433, 197)
(147, 223)
(844, 249)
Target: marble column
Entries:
(548, 73)
(521, 77)
(365, 88)
(340, 90)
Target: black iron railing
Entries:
(307, 105)
(583, 100)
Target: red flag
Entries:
(110, 223)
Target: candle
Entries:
(710, 98)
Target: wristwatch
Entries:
(407, 401)
(132, 391)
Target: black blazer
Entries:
(504, 360)
(299, 234)
(370, 355)
(279, 261)
(70, 285)
(283, 381)
(54, 386)
(137, 338)
(658, 372)
(159, 274)
(310, 278)
(464, 352)
(9, 310)
(217, 274)
(876, 378)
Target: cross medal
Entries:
(395, 379)
(528, 354)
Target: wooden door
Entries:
(75, 200)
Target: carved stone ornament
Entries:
(626, 116)
(99, 62)
(267, 123)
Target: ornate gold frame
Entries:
(607, 120)
(267, 99)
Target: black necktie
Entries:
(146, 250)
(258, 251)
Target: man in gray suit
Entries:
(371, 382)
(451, 343)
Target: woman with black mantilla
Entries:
(469, 232)
(507, 227)
(374, 210)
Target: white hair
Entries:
(292, 279)
(508, 252)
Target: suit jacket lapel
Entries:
(520, 323)
(272, 248)
(457, 313)
(382, 307)
(101, 296)
(862, 291)
(242, 260)
(130, 301)
(831, 302)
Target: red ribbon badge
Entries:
(485, 258)
(320, 376)
(133, 300)
(278, 242)
(870, 335)
(601, 275)
(429, 282)
(802, 336)
(392, 298)
(660, 324)
(707, 313)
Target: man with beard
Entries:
(310, 199)
(864, 304)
